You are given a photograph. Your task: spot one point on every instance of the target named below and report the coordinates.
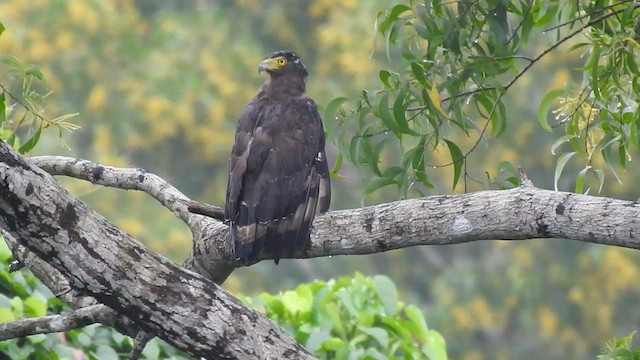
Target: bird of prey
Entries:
(278, 173)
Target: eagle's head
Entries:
(282, 63)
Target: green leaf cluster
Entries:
(621, 349)
(22, 295)
(21, 123)
(600, 114)
(353, 317)
(451, 66)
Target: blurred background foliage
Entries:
(159, 85)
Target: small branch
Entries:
(205, 209)
(27, 108)
(53, 324)
(524, 179)
(121, 178)
(141, 340)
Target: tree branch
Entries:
(181, 307)
(52, 324)
(212, 259)
(122, 178)
(490, 214)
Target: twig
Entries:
(141, 340)
(19, 102)
(524, 179)
(52, 324)
(205, 209)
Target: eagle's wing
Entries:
(277, 176)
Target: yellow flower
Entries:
(547, 321)
(97, 98)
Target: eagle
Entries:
(278, 173)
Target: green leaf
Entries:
(33, 70)
(334, 105)
(37, 338)
(600, 176)
(316, 338)
(510, 171)
(547, 16)
(354, 149)
(2, 28)
(333, 344)
(417, 317)
(13, 62)
(399, 111)
(387, 293)
(35, 307)
(299, 301)
(457, 159)
(392, 172)
(560, 166)
(419, 73)
(545, 106)
(385, 115)
(152, 350)
(397, 327)
(333, 312)
(5, 253)
(634, 135)
(378, 183)
(384, 78)
(17, 305)
(3, 110)
(336, 166)
(561, 141)
(435, 348)
(395, 12)
(378, 334)
(31, 143)
(6, 315)
(622, 155)
(579, 188)
(105, 352)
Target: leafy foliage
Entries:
(621, 349)
(453, 64)
(353, 317)
(25, 116)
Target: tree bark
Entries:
(191, 312)
(181, 307)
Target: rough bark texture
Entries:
(50, 229)
(99, 260)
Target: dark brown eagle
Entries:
(278, 174)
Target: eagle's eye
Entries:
(282, 61)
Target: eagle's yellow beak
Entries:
(269, 64)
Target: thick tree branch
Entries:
(181, 307)
(56, 323)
